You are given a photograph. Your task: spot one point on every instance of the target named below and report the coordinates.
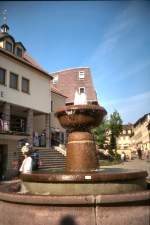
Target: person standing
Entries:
(122, 156)
(36, 159)
(26, 166)
(139, 151)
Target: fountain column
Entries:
(81, 152)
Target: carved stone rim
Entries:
(113, 199)
(80, 108)
(84, 177)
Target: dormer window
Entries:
(19, 52)
(81, 75)
(8, 46)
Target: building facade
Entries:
(24, 96)
(58, 133)
(124, 141)
(142, 132)
(71, 80)
(134, 136)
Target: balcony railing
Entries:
(14, 129)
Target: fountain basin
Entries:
(80, 116)
(120, 209)
(92, 183)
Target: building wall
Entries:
(39, 97)
(58, 101)
(141, 135)
(2, 44)
(11, 148)
(39, 123)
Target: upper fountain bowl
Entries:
(80, 116)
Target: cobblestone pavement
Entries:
(136, 164)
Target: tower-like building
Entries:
(77, 79)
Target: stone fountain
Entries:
(83, 194)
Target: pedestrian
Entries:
(148, 154)
(26, 166)
(139, 152)
(25, 148)
(36, 159)
(122, 156)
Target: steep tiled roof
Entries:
(55, 90)
(141, 120)
(28, 62)
(26, 57)
(68, 82)
(29, 59)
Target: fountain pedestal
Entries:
(81, 148)
(81, 152)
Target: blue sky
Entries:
(110, 37)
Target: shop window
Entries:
(2, 76)
(13, 81)
(25, 85)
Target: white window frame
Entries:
(22, 88)
(55, 79)
(81, 75)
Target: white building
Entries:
(25, 95)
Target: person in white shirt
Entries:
(26, 166)
(122, 156)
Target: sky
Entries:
(110, 37)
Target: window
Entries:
(19, 52)
(13, 81)
(124, 131)
(81, 75)
(55, 79)
(8, 46)
(129, 131)
(81, 90)
(2, 76)
(25, 85)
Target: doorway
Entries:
(3, 160)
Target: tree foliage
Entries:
(100, 133)
(115, 126)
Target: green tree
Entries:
(100, 133)
(115, 126)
